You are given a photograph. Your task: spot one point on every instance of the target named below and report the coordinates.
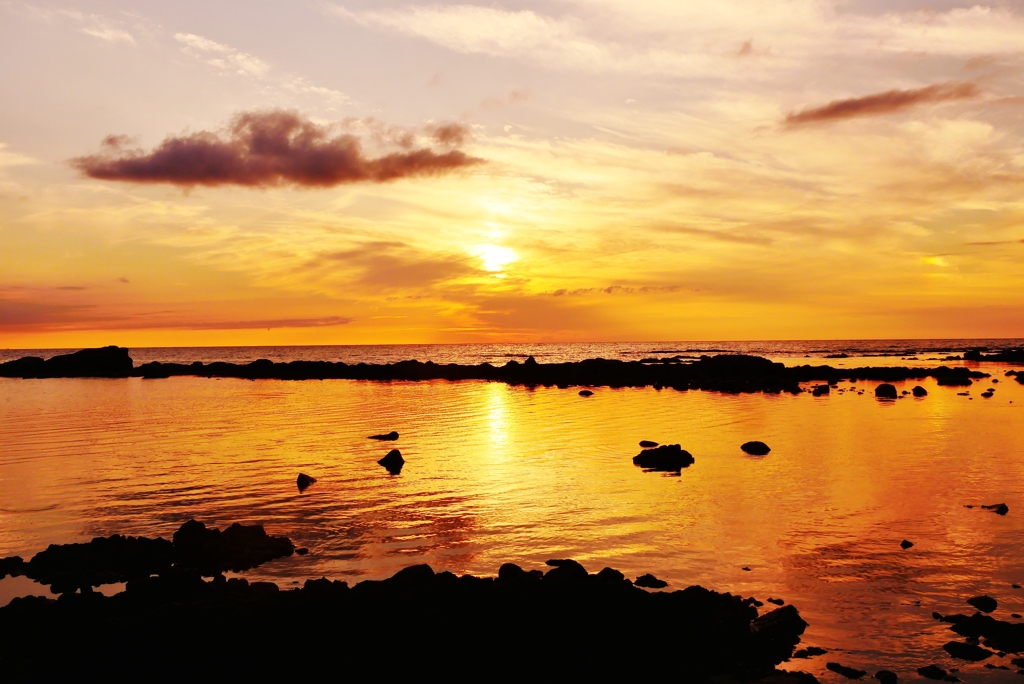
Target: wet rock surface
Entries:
(730, 373)
(172, 624)
(668, 458)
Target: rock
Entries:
(301, 552)
(647, 444)
(755, 448)
(848, 672)
(777, 602)
(237, 548)
(886, 677)
(966, 651)
(386, 437)
(586, 393)
(998, 509)
(649, 581)
(303, 481)
(392, 462)
(668, 458)
(820, 391)
(13, 566)
(954, 381)
(565, 571)
(919, 391)
(886, 391)
(810, 652)
(104, 362)
(932, 672)
(986, 604)
(611, 575)
(906, 544)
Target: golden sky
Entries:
(197, 173)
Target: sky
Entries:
(356, 172)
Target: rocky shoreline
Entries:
(170, 622)
(730, 373)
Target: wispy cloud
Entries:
(878, 104)
(260, 149)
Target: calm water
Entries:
(497, 473)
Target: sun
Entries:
(495, 258)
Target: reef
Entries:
(170, 623)
(730, 373)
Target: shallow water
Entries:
(497, 473)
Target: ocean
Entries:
(496, 473)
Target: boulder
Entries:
(755, 448)
(565, 571)
(810, 652)
(906, 544)
(820, 390)
(919, 391)
(932, 672)
(386, 437)
(668, 458)
(964, 651)
(998, 509)
(986, 604)
(649, 581)
(886, 677)
(586, 393)
(848, 672)
(392, 462)
(303, 481)
(647, 444)
(886, 391)
(954, 381)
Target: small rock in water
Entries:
(745, 569)
(586, 393)
(906, 544)
(986, 604)
(649, 581)
(809, 652)
(647, 444)
(932, 672)
(778, 602)
(820, 390)
(886, 391)
(302, 552)
(1015, 615)
(919, 391)
(303, 481)
(386, 437)
(998, 509)
(969, 652)
(393, 462)
(755, 448)
(886, 677)
(669, 458)
(1015, 586)
(848, 672)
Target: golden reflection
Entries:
(498, 418)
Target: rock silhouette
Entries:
(387, 437)
(919, 391)
(586, 393)
(647, 444)
(104, 362)
(729, 373)
(848, 672)
(998, 509)
(820, 390)
(755, 448)
(932, 672)
(886, 391)
(986, 604)
(906, 544)
(886, 677)
(392, 462)
(668, 458)
(303, 481)
(966, 651)
(649, 581)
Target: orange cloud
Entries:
(271, 148)
(883, 103)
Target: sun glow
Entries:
(495, 257)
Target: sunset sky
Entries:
(197, 173)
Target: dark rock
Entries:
(668, 458)
(565, 571)
(932, 672)
(966, 651)
(936, 615)
(386, 437)
(611, 575)
(392, 462)
(886, 391)
(820, 390)
(954, 381)
(777, 602)
(810, 652)
(755, 448)
(647, 444)
(919, 391)
(886, 677)
(906, 544)
(586, 393)
(649, 581)
(237, 548)
(301, 552)
(986, 604)
(998, 509)
(13, 566)
(848, 672)
(780, 629)
(105, 362)
(303, 481)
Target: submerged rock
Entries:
(668, 458)
(810, 652)
(820, 391)
(303, 481)
(848, 672)
(886, 391)
(386, 437)
(932, 672)
(392, 462)
(755, 448)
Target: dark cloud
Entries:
(321, 322)
(15, 313)
(260, 149)
(883, 103)
(451, 134)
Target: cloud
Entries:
(889, 102)
(386, 265)
(221, 56)
(109, 34)
(269, 148)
